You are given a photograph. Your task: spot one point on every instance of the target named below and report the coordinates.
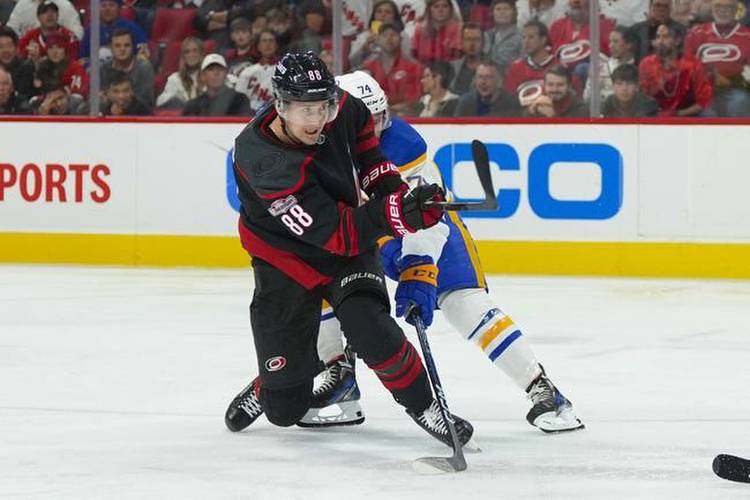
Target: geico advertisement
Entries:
(554, 182)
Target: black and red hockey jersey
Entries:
(302, 209)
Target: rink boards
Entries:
(612, 199)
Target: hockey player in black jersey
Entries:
(300, 167)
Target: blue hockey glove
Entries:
(390, 253)
(417, 286)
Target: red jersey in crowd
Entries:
(444, 45)
(75, 78)
(726, 54)
(571, 45)
(525, 78)
(35, 35)
(683, 83)
(402, 82)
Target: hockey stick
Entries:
(482, 165)
(732, 468)
(457, 462)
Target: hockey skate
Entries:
(432, 421)
(244, 408)
(336, 400)
(551, 411)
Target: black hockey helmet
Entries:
(303, 77)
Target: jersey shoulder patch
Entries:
(402, 144)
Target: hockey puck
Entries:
(732, 468)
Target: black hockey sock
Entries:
(404, 375)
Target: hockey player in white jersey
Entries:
(447, 251)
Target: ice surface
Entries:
(114, 382)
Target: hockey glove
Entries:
(405, 212)
(417, 286)
(390, 252)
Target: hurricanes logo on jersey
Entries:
(718, 52)
(574, 52)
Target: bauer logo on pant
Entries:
(276, 363)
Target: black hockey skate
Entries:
(336, 400)
(432, 421)
(244, 408)
(551, 411)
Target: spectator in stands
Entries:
(11, 103)
(502, 43)
(544, 11)
(487, 98)
(255, 81)
(110, 21)
(184, 84)
(214, 16)
(627, 101)
(21, 70)
(242, 54)
(570, 37)
(121, 98)
(383, 12)
(525, 76)
(397, 74)
(281, 21)
(659, 12)
(33, 46)
(677, 81)
(464, 68)
(723, 47)
(60, 65)
(438, 36)
(625, 12)
(437, 100)
(313, 15)
(137, 68)
(559, 100)
(622, 47)
(691, 12)
(56, 100)
(217, 99)
(24, 17)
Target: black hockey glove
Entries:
(405, 212)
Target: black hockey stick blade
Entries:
(732, 468)
(456, 462)
(482, 166)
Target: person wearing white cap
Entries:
(217, 99)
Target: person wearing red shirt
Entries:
(570, 37)
(33, 44)
(398, 75)
(723, 46)
(59, 65)
(677, 81)
(438, 36)
(525, 76)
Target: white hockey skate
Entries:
(336, 399)
(551, 411)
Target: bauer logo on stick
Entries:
(276, 363)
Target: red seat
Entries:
(173, 24)
(170, 59)
(482, 15)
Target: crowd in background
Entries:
(434, 58)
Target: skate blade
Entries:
(555, 423)
(346, 413)
(439, 465)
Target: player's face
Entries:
(305, 120)
(55, 53)
(381, 121)
(7, 49)
(724, 11)
(624, 91)
(556, 87)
